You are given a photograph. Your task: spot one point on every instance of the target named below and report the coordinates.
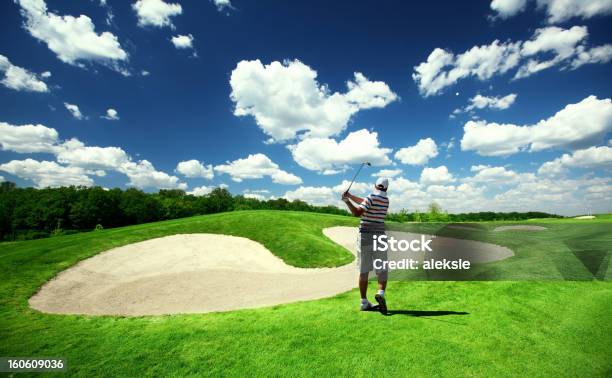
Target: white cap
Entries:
(382, 182)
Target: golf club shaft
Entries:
(354, 177)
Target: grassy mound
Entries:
(437, 328)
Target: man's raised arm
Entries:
(355, 199)
(356, 211)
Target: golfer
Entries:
(372, 210)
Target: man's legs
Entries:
(382, 276)
(367, 255)
(382, 283)
(364, 250)
(363, 285)
(380, 296)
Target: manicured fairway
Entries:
(439, 328)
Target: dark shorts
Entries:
(367, 255)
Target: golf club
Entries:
(356, 173)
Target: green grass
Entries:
(568, 249)
(598, 218)
(559, 328)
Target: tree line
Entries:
(29, 213)
(434, 213)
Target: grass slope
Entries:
(510, 328)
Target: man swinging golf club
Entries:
(372, 210)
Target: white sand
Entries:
(520, 227)
(585, 217)
(197, 273)
(191, 273)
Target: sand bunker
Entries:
(521, 227)
(191, 273)
(197, 273)
(585, 217)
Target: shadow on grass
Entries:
(429, 315)
(422, 314)
(418, 314)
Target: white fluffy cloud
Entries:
(419, 154)
(74, 110)
(111, 115)
(403, 194)
(222, 4)
(20, 79)
(562, 10)
(554, 39)
(314, 195)
(493, 102)
(261, 194)
(434, 176)
(500, 103)
(47, 173)
(514, 191)
(28, 138)
(492, 175)
(183, 41)
(527, 192)
(365, 94)
(508, 8)
(285, 178)
(585, 122)
(325, 195)
(568, 47)
(257, 166)
(443, 68)
(78, 160)
(320, 154)
(156, 12)
(193, 168)
(72, 39)
(556, 10)
(562, 196)
(285, 99)
(201, 190)
(599, 54)
(359, 188)
(592, 157)
(387, 173)
(256, 196)
(142, 174)
(562, 43)
(75, 153)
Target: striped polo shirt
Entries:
(375, 206)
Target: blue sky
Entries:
(501, 105)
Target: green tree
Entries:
(138, 207)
